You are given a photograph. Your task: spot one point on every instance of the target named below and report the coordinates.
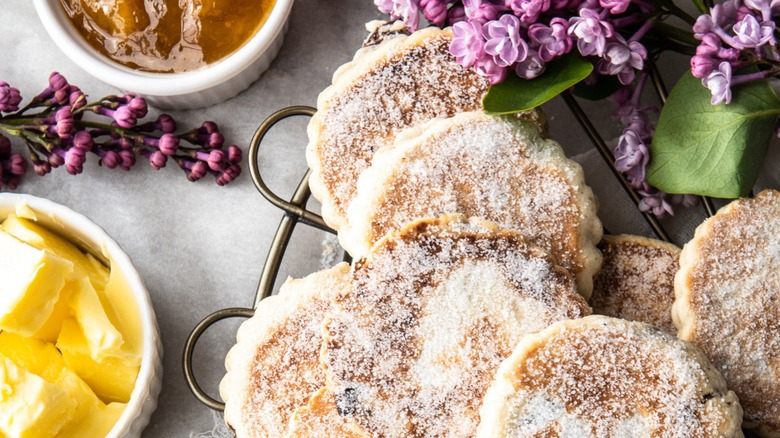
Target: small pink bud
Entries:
(17, 164)
(65, 126)
(217, 159)
(216, 140)
(57, 81)
(198, 171)
(168, 144)
(234, 154)
(208, 127)
(165, 123)
(74, 161)
(138, 106)
(158, 160)
(125, 117)
(83, 141)
(128, 159)
(111, 159)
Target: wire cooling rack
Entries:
(295, 212)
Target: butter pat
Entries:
(97, 423)
(29, 405)
(112, 379)
(39, 237)
(30, 286)
(103, 339)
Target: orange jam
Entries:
(167, 36)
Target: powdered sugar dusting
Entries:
(433, 311)
(494, 168)
(275, 368)
(417, 81)
(320, 418)
(732, 288)
(636, 281)
(603, 377)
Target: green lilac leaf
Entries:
(516, 94)
(712, 150)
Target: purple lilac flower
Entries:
(615, 7)
(456, 14)
(685, 200)
(504, 43)
(487, 68)
(711, 45)
(632, 156)
(721, 16)
(409, 11)
(385, 6)
(9, 98)
(622, 59)
(750, 33)
(655, 201)
(483, 10)
(529, 10)
(531, 67)
(709, 54)
(553, 40)
(467, 43)
(766, 7)
(563, 4)
(590, 32)
(217, 160)
(434, 11)
(719, 83)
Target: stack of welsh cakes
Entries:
(476, 246)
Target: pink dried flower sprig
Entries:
(57, 132)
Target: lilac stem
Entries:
(640, 86)
(622, 22)
(642, 31)
(741, 79)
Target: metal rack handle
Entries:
(295, 211)
(189, 349)
(306, 216)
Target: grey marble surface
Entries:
(201, 247)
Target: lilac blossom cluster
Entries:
(735, 34)
(632, 153)
(495, 37)
(60, 128)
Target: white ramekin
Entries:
(210, 85)
(84, 232)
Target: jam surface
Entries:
(167, 36)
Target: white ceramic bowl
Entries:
(210, 85)
(82, 231)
